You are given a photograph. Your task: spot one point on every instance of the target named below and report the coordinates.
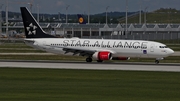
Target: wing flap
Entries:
(81, 52)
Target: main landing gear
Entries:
(99, 61)
(89, 59)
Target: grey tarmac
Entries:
(162, 67)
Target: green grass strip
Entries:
(14, 45)
(20, 51)
(87, 85)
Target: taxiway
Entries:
(166, 67)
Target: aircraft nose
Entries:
(170, 51)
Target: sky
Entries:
(91, 6)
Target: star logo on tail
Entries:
(31, 29)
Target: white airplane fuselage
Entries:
(118, 48)
(97, 49)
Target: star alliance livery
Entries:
(93, 49)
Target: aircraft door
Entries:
(144, 50)
(152, 48)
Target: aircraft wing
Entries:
(81, 52)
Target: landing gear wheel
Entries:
(99, 60)
(88, 59)
(157, 61)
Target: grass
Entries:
(156, 18)
(87, 85)
(21, 51)
(17, 48)
(14, 45)
(170, 42)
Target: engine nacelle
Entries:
(102, 55)
(121, 58)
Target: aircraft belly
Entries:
(138, 54)
(125, 55)
(128, 53)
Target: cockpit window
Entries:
(163, 47)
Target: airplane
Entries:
(81, 19)
(94, 49)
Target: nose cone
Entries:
(170, 51)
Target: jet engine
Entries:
(105, 55)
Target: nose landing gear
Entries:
(157, 60)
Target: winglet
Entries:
(31, 27)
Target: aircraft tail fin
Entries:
(31, 27)
(81, 19)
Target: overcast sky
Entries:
(93, 6)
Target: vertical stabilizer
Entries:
(31, 27)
